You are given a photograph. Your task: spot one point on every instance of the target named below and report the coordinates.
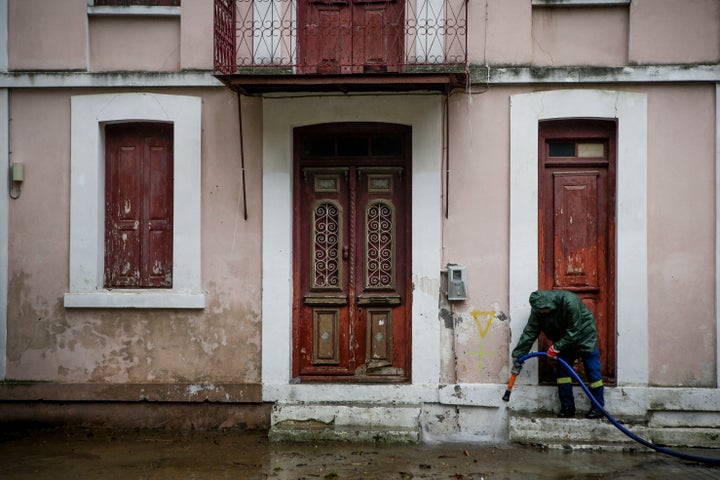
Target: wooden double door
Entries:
(350, 36)
(577, 223)
(351, 262)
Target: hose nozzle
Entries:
(506, 397)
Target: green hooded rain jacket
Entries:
(570, 324)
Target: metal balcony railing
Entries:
(339, 36)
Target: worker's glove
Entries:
(553, 352)
(517, 366)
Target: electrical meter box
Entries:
(457, 279)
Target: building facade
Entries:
(326, 218)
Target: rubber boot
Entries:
(599, 395)
(567, 400)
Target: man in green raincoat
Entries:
(569, 324)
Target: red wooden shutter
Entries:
(138, 212)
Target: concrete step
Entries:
(575, 433)
(301, 421)
(601, 434)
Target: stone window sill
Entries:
(133, 10)
(579, 3)
(135, 299)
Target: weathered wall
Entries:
(47, 34)
(500, 32)
(513, 32)
(196, 44)
(476, 232)
(674, 31)
(681, 235)
(134, 43)
(48, 342)
(580, 36)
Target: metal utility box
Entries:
(457, 280)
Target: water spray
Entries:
(518, 367)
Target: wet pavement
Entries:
(231, 454)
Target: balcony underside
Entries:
(254, 84)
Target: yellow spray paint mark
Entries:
(483, 327)
(481, 354)
(483, 320)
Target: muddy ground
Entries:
(104, 454)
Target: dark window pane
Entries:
(318, 146)
(386, 146)
(352, 146)
(565, 149)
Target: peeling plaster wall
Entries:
(47, 342)
(476, 234)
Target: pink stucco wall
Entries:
(196, 42)
(681, 223)
(580, 36)
(674, 31)
(681, 235)
(476, 232)
(47, 34)
(500, 32)
(134, 43)
(51, 343)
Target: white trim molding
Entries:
(717, 234)
(630, 110)
(280, 116)
(87, 199)
(4, 221)
(579, 3)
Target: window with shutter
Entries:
(138, 205)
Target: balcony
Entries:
(265, 46)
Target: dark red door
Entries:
(350, 36)
(138, 205)
(577, 205)
(351, 255)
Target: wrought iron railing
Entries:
(273, 36)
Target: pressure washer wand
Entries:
(517, 368)
(508, 391)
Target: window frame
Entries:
(87, 199)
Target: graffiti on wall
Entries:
(483, 321)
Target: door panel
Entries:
(576, 224)
(351, 263)
(576, 242)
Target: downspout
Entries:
(446, 138)
(242, 154)
(5, 194)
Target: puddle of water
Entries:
(249, 456)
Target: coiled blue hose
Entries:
(684, 456)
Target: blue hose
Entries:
(624, 430)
